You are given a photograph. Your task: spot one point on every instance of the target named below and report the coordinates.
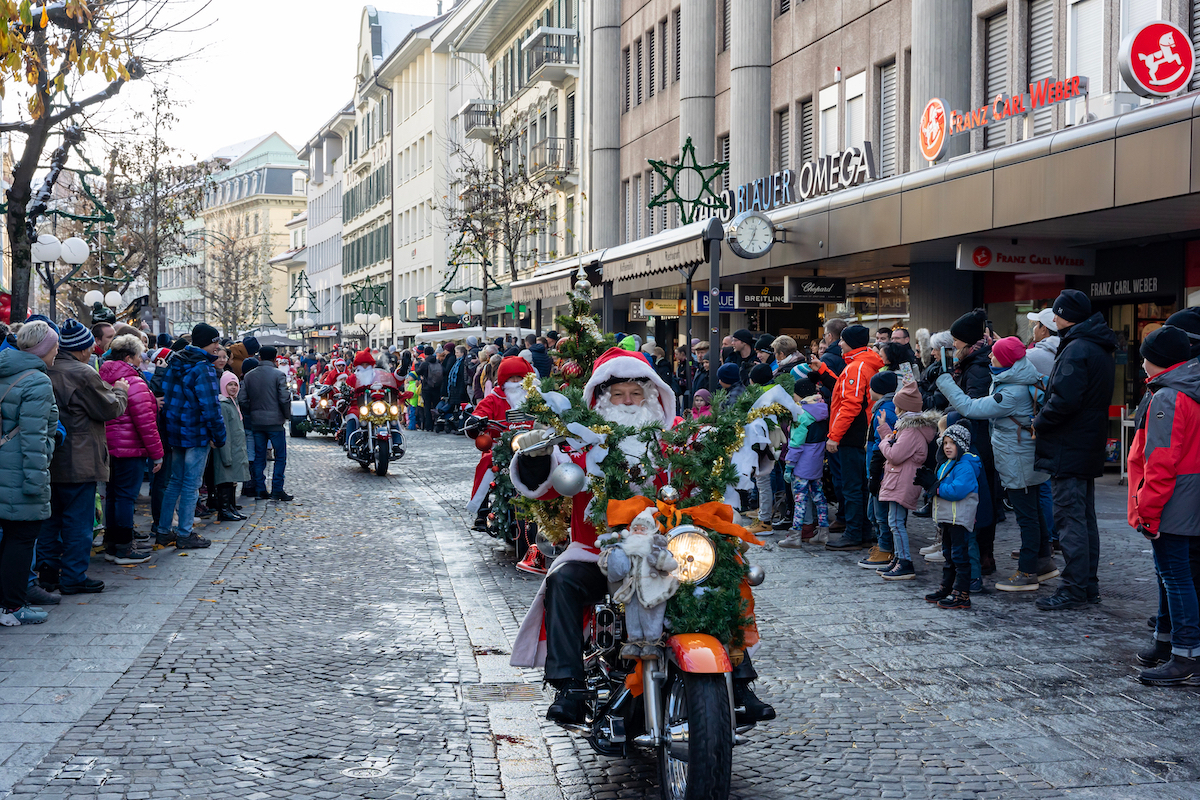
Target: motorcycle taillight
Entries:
(606, 627)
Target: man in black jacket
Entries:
(1072, 432)
(266, 405)
(541, 358)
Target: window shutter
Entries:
(783, 127)
(725, 26)
(1041, 56)
(652, 63)
(639, 72)
(1086, 47)
(806, 132)
(664, 47)
(625, 104)
(723, 156)
(887, 120)
(678, 30)
(995, 76)
(785, 6)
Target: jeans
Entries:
(854, 491)
(158, 487)
(124, 485)
(956, 571)
(1078, 535)
(16, 551)
(1178, 611)
(65, 541)
(187, 470)
(766, 496)
(1035, 536)
(278, 441)
(877, 520)
(897, 521)
(413, 413)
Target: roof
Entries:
(394, 27)
(235, 151)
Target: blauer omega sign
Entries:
(851, 167)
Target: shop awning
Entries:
(662, 252)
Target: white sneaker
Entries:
(8, 619)
(936, 558)
(936, 547)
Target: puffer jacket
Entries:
(85, 403)
(190, 393)
(956, 493)
(1009, 407)
(134, 434)
(1164, 461)
(1042, 354)
(1072, 427)
(904, 453)
(541, 360)
(848, 406)
(25, 459)
(806, 444)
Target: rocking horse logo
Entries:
(1157, 60)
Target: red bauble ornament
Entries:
(571, 369)
(495, 469)
(484, 442)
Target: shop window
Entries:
(995, 73)
(1040, 57)
(888, 114)
(828, 101)
(856, 110)
(1085, 50)
(876, 304)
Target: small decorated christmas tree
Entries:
(581, 342)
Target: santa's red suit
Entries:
(494, 407)
(331, 375)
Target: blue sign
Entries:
(728, 302)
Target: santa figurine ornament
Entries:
(640, 571)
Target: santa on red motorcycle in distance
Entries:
(330, 378)
(508, 394)
(624, 389)
(360, 381)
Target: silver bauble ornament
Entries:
(583, 285)
(668, 494)
(568, 480)
(755, 575)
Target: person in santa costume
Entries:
(508, 394)
(330, 378)
(626, 390)
(364, 375)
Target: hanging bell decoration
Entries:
(568, 479)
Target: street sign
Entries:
(652, 307)
(760, 296)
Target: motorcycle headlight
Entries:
(362, 410)
(694, 551)
(378, 408)
(395, 410)
(324, 404)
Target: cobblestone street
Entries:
(354, 644)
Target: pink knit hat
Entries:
(1008, 351)
(908, 398)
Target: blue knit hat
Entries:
(45, 319)
(73, 337)
(729, 373)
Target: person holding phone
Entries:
(1164, 503)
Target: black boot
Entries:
(570, 704)
(748, 707)
(226, 512)
(1179, 671)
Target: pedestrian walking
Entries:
(1164, 502)
(1072, 433)
(266, 406)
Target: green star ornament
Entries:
(697, 191)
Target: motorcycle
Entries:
(300, 423)
(377, 439)
(502, 520)
(325, 411)
(685, 713)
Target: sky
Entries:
(265, 65)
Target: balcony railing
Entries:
(552, 54)
(479, 122)
(552, 158)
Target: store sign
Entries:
(938, 123)
(652, 307)
(728, 303)
(325, 334)
(814, 289)
(760, 296)
(851, 167)
(1157, 60)
(1000, 255)
(1125, 289)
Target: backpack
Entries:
(433, 375)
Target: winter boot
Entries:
(226, 512)
(570, 703)
(955, 600)
(902, 571)
(1155, 654)
(1179, 671)
(752, 709)
(938, 594)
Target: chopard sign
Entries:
(814, 289)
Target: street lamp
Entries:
(366, 323)
(46, 251)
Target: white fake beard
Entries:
(648, 413)
(515, 394)
(365, 376)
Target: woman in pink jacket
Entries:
(132, 438)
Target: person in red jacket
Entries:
(331, 375)
(1164, 501)
(132, 438)
(508, 394)
(848, 428)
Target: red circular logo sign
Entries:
(1157, 60)
(933, 129)
(982, 256)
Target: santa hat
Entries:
(616, 364)
(513, 367)
(339, 362)
(364, 359)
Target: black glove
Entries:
(474, 426)
(1144, 531)
(925, 478)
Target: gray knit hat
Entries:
(960, 435)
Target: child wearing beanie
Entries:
(702, 404)
(805, 464)
(904, 450)
(955, 500)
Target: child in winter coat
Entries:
(702, 404)
(904, 451)
(412, 406)
(805, 462)
(883, 388)
(230, 463)
(955, 500)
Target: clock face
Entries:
(753, 236)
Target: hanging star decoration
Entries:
(697, 193)
(370, 298)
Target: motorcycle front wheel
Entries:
(695, 761)
(382, 451)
